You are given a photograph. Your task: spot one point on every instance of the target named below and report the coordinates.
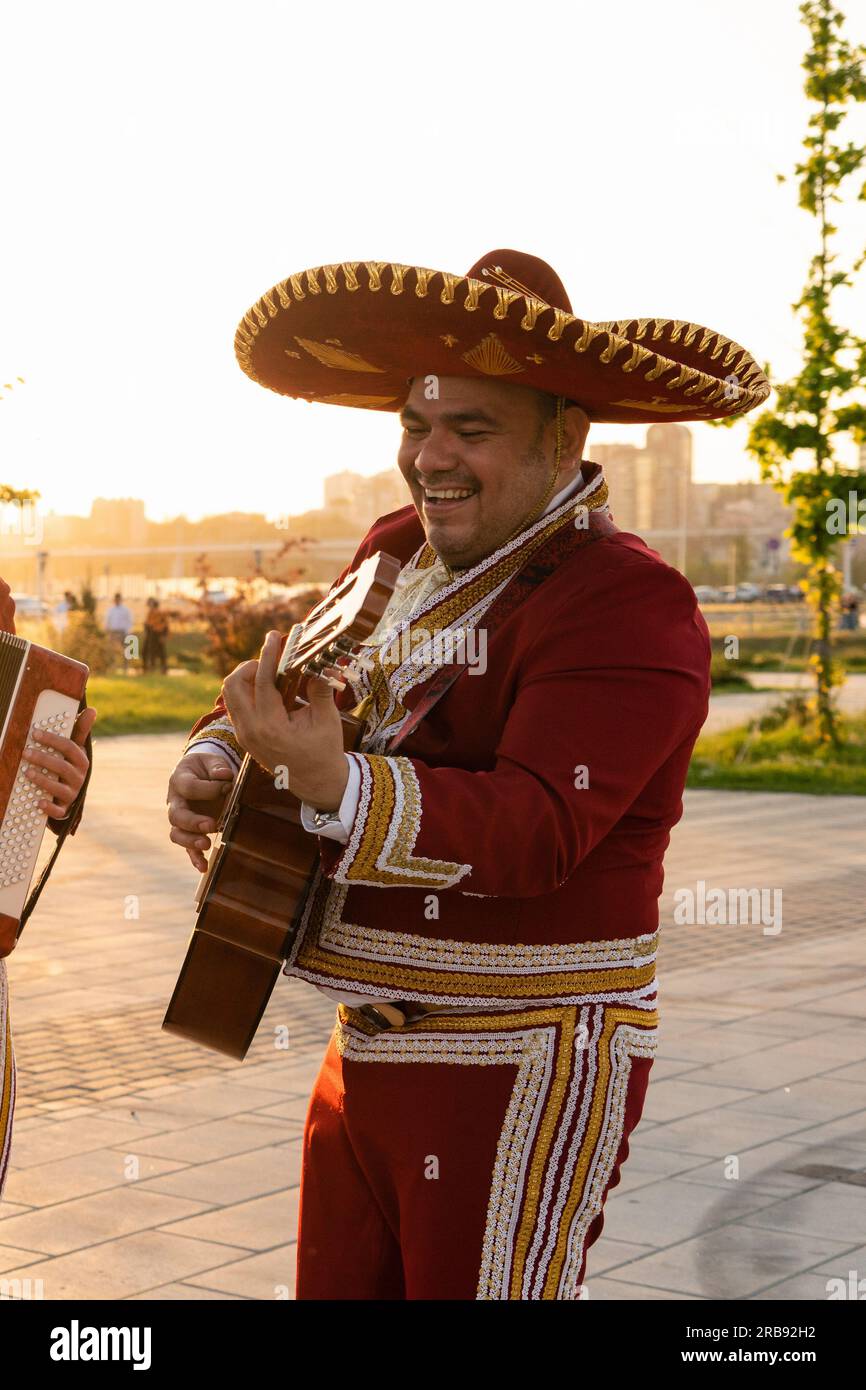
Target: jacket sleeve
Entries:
(609, 689)
(7, 608)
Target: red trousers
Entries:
(468, 1156)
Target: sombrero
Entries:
(355, 333)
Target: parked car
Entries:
(777, 593)
(29, 606)
(705, 593)
(747, 593)
(728, 593)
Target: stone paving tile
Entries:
(49, 1183)
(733, 1261)
(70, 1137)
(118, 1268)
(214, 1139)
(229, 1181)
(671, 1210)
(803, 1288)
(256, 1224)
(770, 1167)
(716, 1133)
(176, 1293)
(12, 1258)
(270, 1275)
(835, 1210)
(614, 1291)
(675, 1099)
(817, 1098)
(92, 1220)
(292, 1111)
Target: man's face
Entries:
(485, 442)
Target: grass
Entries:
(150, 704)
(769, 652)
(787, 758)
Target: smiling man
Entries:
(485, 911)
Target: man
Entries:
(66, 762)
(486, 907)
(155, 637)
(118, 625)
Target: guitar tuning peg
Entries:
(362, 663)
(335, 684)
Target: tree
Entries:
(827, 398)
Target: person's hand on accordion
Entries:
(59, 765)
(196, 791)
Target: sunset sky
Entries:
(162, 166)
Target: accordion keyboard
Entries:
(23, 824)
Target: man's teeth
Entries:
(448, 492)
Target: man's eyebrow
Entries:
(454, 417)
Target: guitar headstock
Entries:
(345, 616)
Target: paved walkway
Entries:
(144, 1167)
(727, 709)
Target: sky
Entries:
(164, 165)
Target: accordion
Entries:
(39, 689)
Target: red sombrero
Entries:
(357, 332)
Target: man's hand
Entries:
(308, 743)
(59, 765)
(198, 777)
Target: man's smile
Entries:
(439, 499)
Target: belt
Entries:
(399, 1012)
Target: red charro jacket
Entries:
(520, 830)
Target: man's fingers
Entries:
(217, 766)
(238, 692)
(83, 724)
(194, 849)
(193, 788)
(189, 841)
(185, 818)
(266, 674)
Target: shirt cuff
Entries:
(341, 829)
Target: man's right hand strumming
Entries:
(196, 792)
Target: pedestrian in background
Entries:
(155, 637)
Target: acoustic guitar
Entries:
(251, 899)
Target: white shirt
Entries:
(118, 619)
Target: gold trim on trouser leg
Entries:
(563, 1124)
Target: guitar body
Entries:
(251, 901)
(251, 898)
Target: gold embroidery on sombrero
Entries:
(222, 730)
(386, 827)
(336, 357)
(560, 1135)
(753, 386)
(492, 357)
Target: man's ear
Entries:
(575, 426)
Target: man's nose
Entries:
(438, 454)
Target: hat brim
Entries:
(355, 333)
